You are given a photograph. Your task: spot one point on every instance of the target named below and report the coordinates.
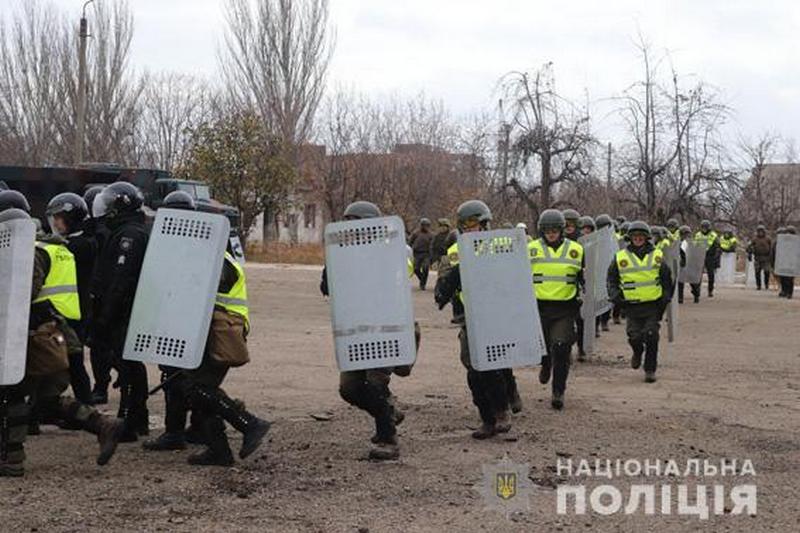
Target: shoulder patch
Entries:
(573, 253)
(658, 259)
(623, 263)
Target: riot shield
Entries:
(177, 286)
(503, 325)
(695, 260)
(787, 255)
(599, 249)
(372, 311)
(727, 268)
(749, 274)
(17, 244)
(672, 256)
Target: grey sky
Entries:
(456, 50)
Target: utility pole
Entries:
(608, 168)
(80, 112)
(505, 134)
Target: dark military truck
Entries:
(40, 184)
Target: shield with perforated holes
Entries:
(372, 313)
(503, 325)
(177, 287)
(17, 243)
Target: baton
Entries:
(165, 382)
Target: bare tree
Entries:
(548, 131)
(275, 61)
(173, 106)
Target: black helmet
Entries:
(13, 214)
(179, 200)
(89, 196)
(639, 226)
(14, 200)
(473, 210)
(361, 209)
(672, 224)
(603, 220)
(570, 215)
(551, 219)
(117, 198)
(424, 221)
(586, 221)
(791, 229)
(705, 225)
(71, 207)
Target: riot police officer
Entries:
(119, 264)
(66, 214)
(557, 268)
(572, 230)
(640, 280)
(493, 390)
(712, 259)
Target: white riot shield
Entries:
(372, 312)
(503, 325)
(177, 287)
(727, 268)
(17, 244)
(749, 274)
(599, 248)
(787, 255)
(695, 259)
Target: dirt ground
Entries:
(729, 388)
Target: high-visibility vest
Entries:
(710, 238)
(663, 244)
(61, 284)
(452, 254)
(728, 245)
(555, 273)
(235, 300)
(675, 235)
(639, 278)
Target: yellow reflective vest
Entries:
(61, 284)
(728, 245)
(710, 238)
(555, 272)
(235, 300)
(639, 278)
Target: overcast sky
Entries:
(456, 50)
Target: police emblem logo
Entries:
(505, 485)
(573, 253)
(623, 263)
(125, 243)
(658, 260)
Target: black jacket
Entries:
(614, 284)
(117, 274)
(84, 248)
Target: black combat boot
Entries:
(252, 428)
(166, 442)
(544, 371)
(13, 430)
(557, 401)
(109, 431)
(218, 452)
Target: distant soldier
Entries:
(760, 252)
(619, 222)
(492, 390)
(728, 242)
(420, 243)
(571, 229)
(640, 280)
(711, 237)
(439, 243)
(673, 227)
(786, 282)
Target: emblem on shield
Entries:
(506, 485)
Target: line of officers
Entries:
(639, 283)
(84, 282)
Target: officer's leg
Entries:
(79, 378)
(616, 313)
(479, 387)
(604, 318)
(545, 370)
(757, 270)
(424, 271)
(651, 328)
(512, 392)
(101, 370)
(175, 409)
(13, 429)
(766, 277)
(789, 287)
(579, 338)
(458, 310)
(133, 397)
(218, 450)
(562, 335)
(711, 275)
(635, 331)
(695, 291)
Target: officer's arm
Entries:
(227, 278)
(447, 284)
(667, 285)
(41, 266)
(580, 279)
(323, 283)
(612, 283)
(122, 280)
